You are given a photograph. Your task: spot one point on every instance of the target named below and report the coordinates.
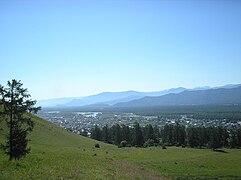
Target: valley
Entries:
(80, 121)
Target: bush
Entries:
(168, 144)
(110, 142)
(156, 144)
(123, 144)
(149, 143)
(178, 144)
(97, 145)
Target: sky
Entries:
(73, 48)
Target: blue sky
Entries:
(76, 48)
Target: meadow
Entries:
(59, 154)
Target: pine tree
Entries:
(149, 133)
(239, 137)
(193, 137)
(156, 134)
(125, 133)
(96, 133)
(17, 104)
(117, 134)
(105, 134)
(138, 139)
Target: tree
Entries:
(239, 137)
(193, 137)
(96, 133)
(233, 140)
(125, 133)
(181, 138)
(17, 105)
(215, 137)
(174, 134)
(149, 132)
(156, 133)
(167, 134)
(137, 135)
(116, 133)
(105, 134)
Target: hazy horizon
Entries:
(190, 88)
(79, 48)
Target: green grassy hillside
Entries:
(59, 154)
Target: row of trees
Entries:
(211, 137)
(169, 135)
(123, 135)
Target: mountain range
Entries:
(107, 98)
(200, 97)
(228, 94)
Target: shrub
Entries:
(97, 145)
(149, 143)
(123, 144)
(128, 145)
(177, 144)
(168, 144)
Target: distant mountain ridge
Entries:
(54, 102)
(108, 98)
(112, 98)
(200, 97)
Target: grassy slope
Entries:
(57, 153)
(190, 163)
